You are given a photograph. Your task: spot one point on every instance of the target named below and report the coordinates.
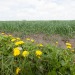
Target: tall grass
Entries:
(33, 27)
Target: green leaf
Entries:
(52, 72)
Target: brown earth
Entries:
(51, 39)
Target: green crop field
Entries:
(35, 27)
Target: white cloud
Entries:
(37, 9)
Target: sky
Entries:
(37, 10)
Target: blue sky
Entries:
(37, 9)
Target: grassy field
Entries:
(37, 53)
(34, 27)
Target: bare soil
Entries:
(51, 39)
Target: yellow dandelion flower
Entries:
(17, 70)
(18, 38)
(72, 50)
(38, 53)
(32, 40)
(25, 53)
(68, 44)
(3, 33)
(56, 42)
(27, 39)
(16, 51)
(40, 45)
(69, 47)
(9, 35)
(19, 43)
(13, 40)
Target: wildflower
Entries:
(10, 35)
(19, 43)
(3, 33)
(38, 53)
(13, 40)
(17, 70)
(18, 38)
(72, 50)
(56, 42)
(32, 40)
(16, 51)
(25, 53)
(40, 45)
(28, 39)
(68, 45)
